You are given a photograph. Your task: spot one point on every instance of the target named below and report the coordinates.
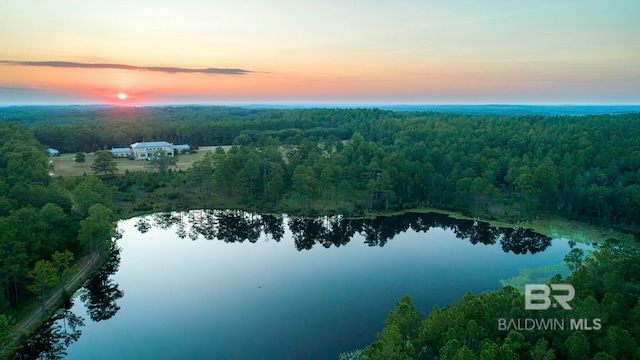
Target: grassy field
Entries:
(65, 165)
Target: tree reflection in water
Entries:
(102, 293)
(239, 226)
(54, 336)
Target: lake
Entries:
(235, 285)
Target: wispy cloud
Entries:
(164, 69)
(16, 88)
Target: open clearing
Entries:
(65, 165)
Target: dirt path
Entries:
(53, 298)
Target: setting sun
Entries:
(122, 96)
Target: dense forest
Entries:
(45, 226)
(606, 287)
(357, 160)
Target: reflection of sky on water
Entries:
(211, 299)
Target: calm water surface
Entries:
(234, 285)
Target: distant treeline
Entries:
(73, 129)
(354, 160)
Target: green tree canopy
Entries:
(80, 158)
(162, 162)
(104, 163)
(44, 276)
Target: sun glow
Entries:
(122, 96)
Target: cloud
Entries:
(17, 89)
(164, 69)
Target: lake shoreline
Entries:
(551, 226)
(554, 226)
(300, 260)
(27, 326)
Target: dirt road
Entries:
(53, 298)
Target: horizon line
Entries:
(366, 104)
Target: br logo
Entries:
(538, 296)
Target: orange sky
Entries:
(320, 51)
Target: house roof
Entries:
(121, 150)
(181, 147)
(53, 151)
(150, 144)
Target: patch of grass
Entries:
(536, 275)
(558, 227)
(552, 226)
(65, 165)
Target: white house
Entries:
(121, 152)
(142, 150)
(52, 152)
(145, 150)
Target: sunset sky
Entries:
(329, 51)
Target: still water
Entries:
(236, 285)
